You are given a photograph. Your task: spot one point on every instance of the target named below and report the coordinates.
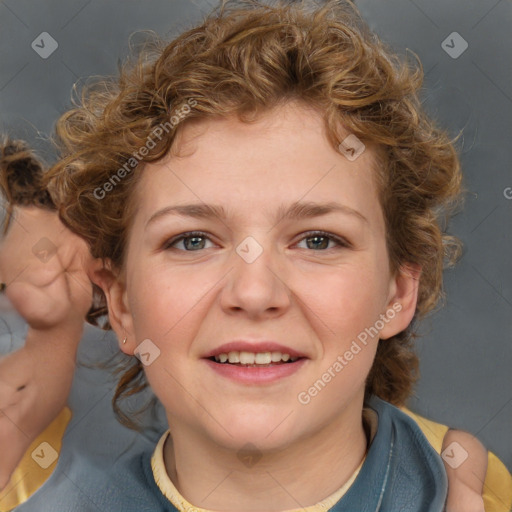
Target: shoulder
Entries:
(131, 487)
(497, 489)
(415, 462)
(433, 431)
(401, 471)
(44, 450)
(86, 486)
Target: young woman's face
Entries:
(259, 278)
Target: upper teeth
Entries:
(254, 358)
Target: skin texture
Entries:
(465, 481)
(188, 303)
(53, 295)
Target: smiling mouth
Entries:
(254, 360)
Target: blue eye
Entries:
(195, 240)
(321, 239)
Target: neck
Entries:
(302, 474)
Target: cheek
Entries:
(344, 300)
(343, 309)
(161, 300)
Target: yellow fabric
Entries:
(29, 475)
(497, 494)
(497, 486)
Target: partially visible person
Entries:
(43, 271)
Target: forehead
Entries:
(282, 156)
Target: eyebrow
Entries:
(296, 211)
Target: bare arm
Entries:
(465, 460)
(53, 293)
(34, 386)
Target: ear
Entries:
(402, 300)
(120, 317)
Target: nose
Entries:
(257, 284)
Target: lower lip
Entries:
(255, 375)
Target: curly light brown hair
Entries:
(246, 58)
(21, 178)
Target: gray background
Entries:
(466, 352)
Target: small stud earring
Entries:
(124, 341)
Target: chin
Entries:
(267, 431)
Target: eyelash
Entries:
(342, 243)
